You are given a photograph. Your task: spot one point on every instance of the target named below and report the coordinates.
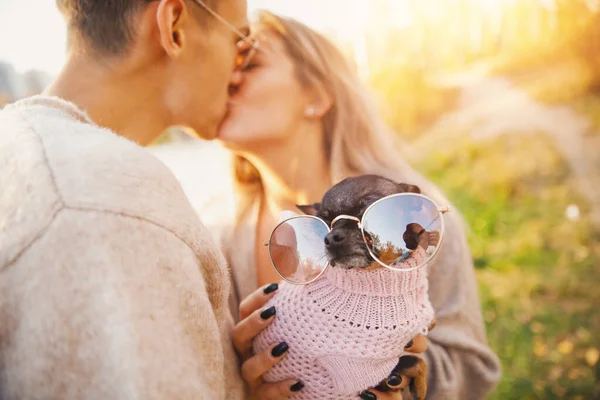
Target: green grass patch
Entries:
(537, 269)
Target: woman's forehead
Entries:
(269, 42)
(271, 47)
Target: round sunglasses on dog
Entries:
(401, 232)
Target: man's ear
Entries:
(406, 188)
(170, 16)
(310, 209)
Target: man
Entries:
(110, 287)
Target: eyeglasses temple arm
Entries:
(245, 38)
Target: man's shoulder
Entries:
(88, 164)
(50, 161)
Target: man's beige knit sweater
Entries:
(110, 286)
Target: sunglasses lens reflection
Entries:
(297, 249)
(403, 232)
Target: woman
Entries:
(299, 121)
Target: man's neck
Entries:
(124, 103)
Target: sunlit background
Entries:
(36, 24)
(496, 101)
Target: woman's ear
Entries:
(319, 102)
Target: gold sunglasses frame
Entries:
(441, 211)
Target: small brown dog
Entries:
(346, 247)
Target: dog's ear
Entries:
(406, 188)
(310, 209)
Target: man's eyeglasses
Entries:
(243, 58)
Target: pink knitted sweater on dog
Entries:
(347, 330)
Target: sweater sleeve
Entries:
(460, 363)
(107, 306)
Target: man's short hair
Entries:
(106, 25)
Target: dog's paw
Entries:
(409, 374)
(415, 369)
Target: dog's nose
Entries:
(334, 239)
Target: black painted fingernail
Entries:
(271, 288)
(296, 387)
(268, 313)
(409, 344)
(279, 349)
(394, 381)
(368, 396)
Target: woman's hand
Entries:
(253, 319)
(411, 372)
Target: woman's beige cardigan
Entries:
(461, 366)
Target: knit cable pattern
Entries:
(347, 330)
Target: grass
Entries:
(537, 269)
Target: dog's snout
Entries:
(334, 239)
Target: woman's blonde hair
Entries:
(356, 139)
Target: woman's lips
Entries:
(232, 102)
